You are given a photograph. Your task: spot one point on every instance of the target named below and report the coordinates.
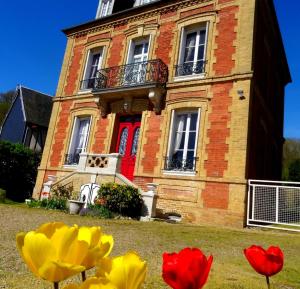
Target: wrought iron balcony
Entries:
(190, 69)
(151, 72)
(72, 159)
(178, 164)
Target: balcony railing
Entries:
(190, 69)
(72, 159)
(177, 164)
(136, 74)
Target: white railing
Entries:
(274, 204)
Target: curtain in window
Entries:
(82, 135)
(179, 133)
(190, 47)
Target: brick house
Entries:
(190, 93)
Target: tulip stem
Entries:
(83, 276)
(56, 286)
(268, 282)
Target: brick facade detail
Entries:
(225, 41)
(150, 149)
(60, 134)
(100, 136)
(73, 76)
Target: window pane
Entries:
(201, 52)
(181, 121)
(82, 134)
(138, 49)
(192, 140)
(135, 142)
(199, 68)
(189, 54)
(190, 155)
(96, 59)
(178, 156)
(123, 141)
(191, 39)
(189, 163)
(182, 138)
(193, 124)
(202, 36)
(146, 47)
(94, 65)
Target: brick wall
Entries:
(150, 149)
(100, 136)
(60, 134)
(142, 182)
(116, 49)
(225, 38)
(73, 75)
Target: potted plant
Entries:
(75, 205)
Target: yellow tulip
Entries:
(53, 252)
(125, 272)
(100, 245)
(92, 283)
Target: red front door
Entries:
(127, 144)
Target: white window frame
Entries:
(88, 64)
(103, 10)
(74, 135)
(133, 43)
(187, 30)
(130, 56)
(172, 136)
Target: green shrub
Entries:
(98, 211)
(34, 204)
(51, 204)
(2, 195)
(294, 171)
(18, 170)
(57, 204)
(120, 199)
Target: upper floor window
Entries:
(183, 141)
(105, 8)
(142, 2)
(192, 51)
(93, 64)
(136, 67)
(79, 140)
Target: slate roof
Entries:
(37, 106)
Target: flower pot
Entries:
(75, 206)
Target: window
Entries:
(105, 8)
(94, 62)
(142, 2)
(137, 62)
(192, 51)
(183, 141)
(79, 140)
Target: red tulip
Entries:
(188, 269)
(266, 262)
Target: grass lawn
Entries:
(230, 269)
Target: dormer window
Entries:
(142, 2)
(108, 7)
(105, 8)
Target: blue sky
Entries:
(32, 45)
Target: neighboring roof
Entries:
(37, 106)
